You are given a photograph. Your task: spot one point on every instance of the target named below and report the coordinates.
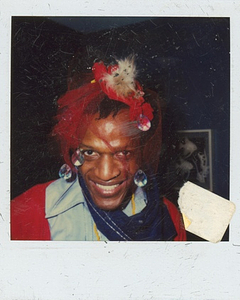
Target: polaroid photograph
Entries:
(145, 81)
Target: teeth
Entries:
(107, 187)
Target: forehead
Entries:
(117, 131)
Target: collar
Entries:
(62, 196)
(140, 202)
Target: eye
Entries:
(90, 154)
(123, 154)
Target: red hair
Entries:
(75, 112)
(72, 122)
(77, 107)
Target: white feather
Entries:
(122, 80)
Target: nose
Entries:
(107, 167)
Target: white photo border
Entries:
(113, 270)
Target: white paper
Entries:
(205, 213)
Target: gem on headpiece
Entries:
(140, 178)
(77, 158)
(143, 123)
(65, 172)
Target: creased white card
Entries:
(204, 213)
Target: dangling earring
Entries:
(65, 172)
(77, 158)
(143, 123)
(140, 178)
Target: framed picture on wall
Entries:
(194, 159)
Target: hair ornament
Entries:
(121, 78)
(118, 83)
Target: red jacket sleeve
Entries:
(28, 220)
(177, 220)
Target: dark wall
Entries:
(40, 54)
(186, 60)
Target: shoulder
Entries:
(28, 214)
(177, 220)
(35, 196)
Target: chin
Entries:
(108, 204)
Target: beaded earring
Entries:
(140, 178)
(77, 158)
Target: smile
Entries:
(107, 187)
(106, 190)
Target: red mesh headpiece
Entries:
(118, 82)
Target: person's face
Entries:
(111, 149)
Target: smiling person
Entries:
(109, 131)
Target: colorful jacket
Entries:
(29, 222)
